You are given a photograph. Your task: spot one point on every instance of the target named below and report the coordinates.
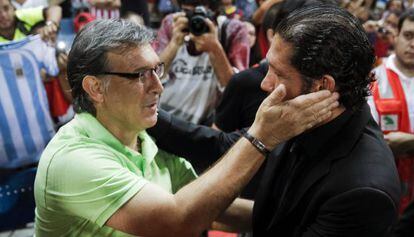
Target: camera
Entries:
(196, 24)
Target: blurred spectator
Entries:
(257, 17)
(81, 19)
(133, 17)
(266, 26)
(230, 10)
(17, 24)
(358, 8)
(100, 9)
(26, 125)
(382, 33)
(243, 95)
(19, 4)
(248, 7)
(200, 68)
(57, 87)
(395, 5)
(139, 7)
(392, 103)
(255, 56)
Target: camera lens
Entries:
(198, 26)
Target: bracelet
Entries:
(257, 144)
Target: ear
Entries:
(269, 35)
(327, 82)
(93, 86)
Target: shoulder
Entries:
(369, 165)
(249, 77)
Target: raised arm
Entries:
(154, 212)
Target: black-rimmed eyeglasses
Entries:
(141, 75)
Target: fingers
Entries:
(311, 98)
(276, 96)
(48, 33)
(320, 110)
(210, 25)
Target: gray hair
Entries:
(88, 55)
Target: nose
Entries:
(155, 85)
(269, 83)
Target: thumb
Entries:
(277, 95)
(210, 24)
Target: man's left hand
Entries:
(49, 32)
(400, 142)
(207, 42)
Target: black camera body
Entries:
(196, 20)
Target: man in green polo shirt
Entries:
(102, 175)
(17, 24)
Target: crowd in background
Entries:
(213, 68)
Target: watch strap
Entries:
(259, 145)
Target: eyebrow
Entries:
(145, 67)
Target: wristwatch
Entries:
(257, 144)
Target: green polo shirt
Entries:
(30, 17)
(85, 175)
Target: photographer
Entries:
(200, 68)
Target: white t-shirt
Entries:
(407, 84)
(191, 90)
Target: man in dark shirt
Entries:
(338, 179)
(241, 99)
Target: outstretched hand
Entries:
(277, 121)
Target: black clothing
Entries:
(343, 181)
(405, 226)
(241, 99)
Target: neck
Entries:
(122, 132)
(405, 69)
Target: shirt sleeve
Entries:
(239, 52)
(90, 183)
(181, 171)
(30, 16)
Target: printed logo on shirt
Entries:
(389, 122)
(181, 67)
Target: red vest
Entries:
(392, 117)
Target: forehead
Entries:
(133, 57)
(5, 3)
(407, 25)
(280, 53)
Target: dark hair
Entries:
(408, 14)
(88, 55)
(288, 6)
(270, 15)
(328, 40)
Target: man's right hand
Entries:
(180, 22)
(277, 121)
